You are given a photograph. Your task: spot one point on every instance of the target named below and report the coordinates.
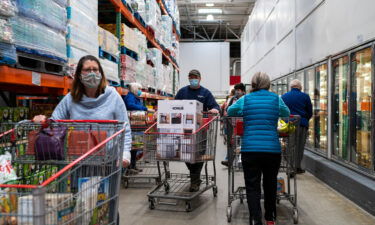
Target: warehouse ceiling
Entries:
(214, 20)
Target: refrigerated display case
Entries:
(310, 89)
(284, 82)
(301, 77)
(290, 77)
(279, 87)
(340, 117)
(320, 108)
(362, 96)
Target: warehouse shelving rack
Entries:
(25, 82)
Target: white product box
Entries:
(167, 147)
(188, 151)
(183, 115)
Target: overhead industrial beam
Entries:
(212, 40)
(228, 28)
(195, 33)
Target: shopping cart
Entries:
(234, 131)
(199, 146)
(67, 172)
(147, 170)
(288, 141)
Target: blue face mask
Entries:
(194, 82)
(139, 93)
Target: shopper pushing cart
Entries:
(260, 148)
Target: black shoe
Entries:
(225, 163)
(194, 187)
(299, 171)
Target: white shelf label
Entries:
(36, 78)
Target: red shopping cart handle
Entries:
(86, 121)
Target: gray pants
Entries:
(301, 141)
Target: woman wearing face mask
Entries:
(133, 103)
(92, 99)
(132, 99)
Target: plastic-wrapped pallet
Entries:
(149, 74)
(142, 46)
(82, 24)
(7, 49)
(128, 75)
(110, 70)
(6, 32)
(153, 14)
(128, 62)
(8, 8)
(108, 42)
(155, 56)
(128, 36)
(32, 35)
(7, 54)
(141, 8)
(44, 11)
(167, 29)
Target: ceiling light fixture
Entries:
(210, 4)
(210, 11)
(210, 17)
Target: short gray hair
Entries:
(296, 84)
(260, 81)
(134, 87)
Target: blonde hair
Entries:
(260, 81)
(134, 87)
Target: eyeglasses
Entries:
(95, 70)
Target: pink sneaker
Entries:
(270, 223)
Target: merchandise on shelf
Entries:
(142, 46)
(7, 54)
(155, 56)
(110, 70)
(6, 32)
(128, 36)
(149, 76)
(167, 31)
(62, 3)
(32, 35)
(108, 42)
(172, 8)
(128, 62)
(7, 8)
(153, 14)
(140, 7)
(44, 11)
(82, 24)
(13, 114)
(128, 75)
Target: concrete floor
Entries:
(317, 203)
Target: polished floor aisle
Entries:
(318, 205)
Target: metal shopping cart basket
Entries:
(234, 131)
(189, 148)
(288, 141)
(147, 170)
(67, 172)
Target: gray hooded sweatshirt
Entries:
(108, 106)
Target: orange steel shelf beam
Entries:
(13, 76)
(130, 17)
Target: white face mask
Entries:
(91, 80)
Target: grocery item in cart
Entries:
(7, 172)
(92, 192)
(59, 209)
(8, 204)
(48, 143)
